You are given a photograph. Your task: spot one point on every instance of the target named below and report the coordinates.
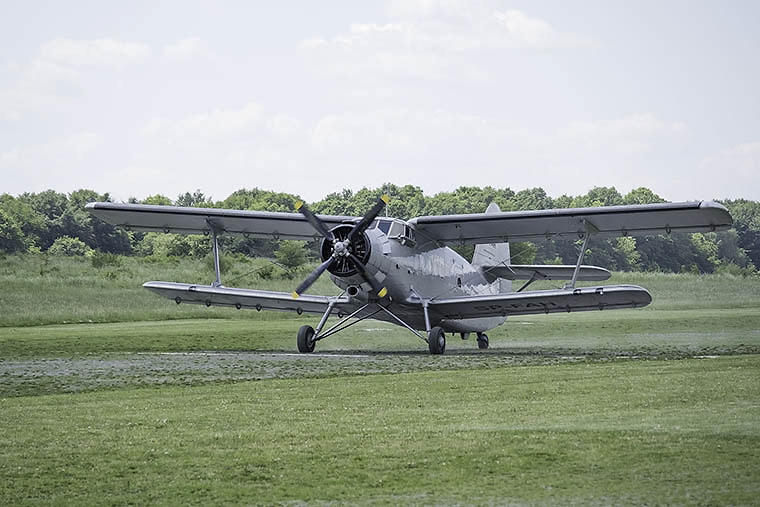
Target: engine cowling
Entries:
(359, 247)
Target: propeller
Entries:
(340, 249)
(314, 221)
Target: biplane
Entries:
(406, 273)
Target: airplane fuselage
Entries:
(414, 270)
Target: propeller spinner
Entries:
(344, 248)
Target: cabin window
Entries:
(408, 238)
(402, 232)
(459, 282)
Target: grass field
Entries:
(109, 394)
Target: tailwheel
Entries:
(436, 340)
(306, 339)
(482, 341)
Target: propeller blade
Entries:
(312, 278)
(314, 221)
(379, 289)
(367, 219)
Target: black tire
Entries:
(482, 341)
(437, 340)
(306, 340)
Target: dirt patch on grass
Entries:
(25, 377)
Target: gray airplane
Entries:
(405, 273)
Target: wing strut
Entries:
(215, 240)
(533, 278)
(425, 304)
(590, 229)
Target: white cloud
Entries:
(627, 135)
(440, 149)
(187, 49)
(420, 130)
(430, 8)
(56, 73)
(57, 163)
(72, 146)
(220, 149)
(525, 31)
(96, 52)
(223, 125)
(733, 170)
(393, 131)
(434, 40)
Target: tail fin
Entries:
(493, 254)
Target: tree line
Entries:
(57, 223)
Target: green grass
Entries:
(668, 332)
(611, 407)
(42, 289)
(669, 432)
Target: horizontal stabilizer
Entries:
(541, 301)
(247, 298)
(545, 272)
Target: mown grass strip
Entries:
(635, 432)
(694, 331)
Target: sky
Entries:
(140, 98)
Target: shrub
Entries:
(735, 270)
(225, 262)
(66, 245)
(291, 254)
(11, 236)
(100, 259)
(271, 271)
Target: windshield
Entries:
(384, 225)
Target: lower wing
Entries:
(248, 298)
(545, 272)
(541, 301)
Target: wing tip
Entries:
(720, 212)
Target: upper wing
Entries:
(248, 298)
(143, 217)
(541, 301)
(574, 222)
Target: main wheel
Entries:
(306, 340)
(436, 340)
(482, 341)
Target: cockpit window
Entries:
(384, 225)
(396, 230)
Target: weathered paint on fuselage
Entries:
(424, 270)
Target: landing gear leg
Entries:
(306, 339)
(437, 340)
(482, 341)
